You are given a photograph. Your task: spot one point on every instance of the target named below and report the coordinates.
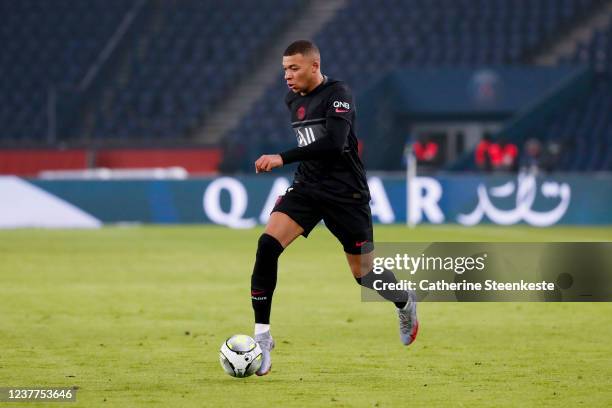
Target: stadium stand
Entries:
(585, 128)
(183, 63)
(44, 44)
(176, 68)
(583, 131)
(367, 39)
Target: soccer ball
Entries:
(240, 356)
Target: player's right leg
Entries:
(280, 232)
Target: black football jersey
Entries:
(343, 177)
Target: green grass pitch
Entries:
(136, 316)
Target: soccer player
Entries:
(329, 185)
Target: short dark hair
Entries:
(303, 47)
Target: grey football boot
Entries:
(266, 342)
(408, 322)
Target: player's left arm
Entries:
(267, 162)
(329, 146)
(339, 116)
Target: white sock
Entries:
(261, 328)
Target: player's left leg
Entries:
(362, 269)
(405, 301)
(352, 225)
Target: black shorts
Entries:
(351, 223)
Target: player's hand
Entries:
(267, 162)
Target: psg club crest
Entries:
(301, 112)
